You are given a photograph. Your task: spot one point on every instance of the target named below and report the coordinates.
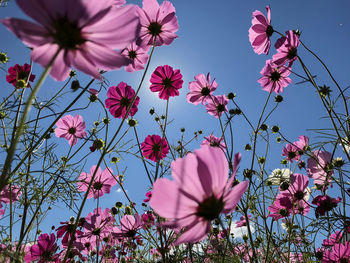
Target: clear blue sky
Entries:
(213, 37)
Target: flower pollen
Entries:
(155, 29)
(67, 34)
(210, 208)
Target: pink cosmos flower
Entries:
(282, 207)
(291, 152)
(71, 128)
(261, 31)
(44, 250)
(214, 141)
(66, 231)
(119, 99)
(17, 73)
(84, 33)
(129, 226)
(98, 225)
(167, 81)
(148, 219)
(148, 195)
(200, 192)
(286, 49)
(333, 239)
(138, 55)
(201, 89)
(340, 254)
(325, 204)
(104, 180)
(158, 23)
(6, 195)
(318, 168)
(302, 144)
(154, 148)
(93, 91)
(243, 221)
(274, 78)
(217, 105)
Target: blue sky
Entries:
(213, 37)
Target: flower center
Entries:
(220, 108)
(167, 83)
(96, 231)
(275, 76)
(299, 195)
(156, 148)
(124, 101)
(72, 130)
(98, 185)
(215, 144)
(22, 75)
(210, 208)
(130, 233)
(291, 155)
(343, 260)
(67, 34)
(155, 29)
(269, 30)
(292, 53)
(283, 212)
(132, 54)
(205, 91)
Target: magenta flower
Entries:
(19, 73)
(261, 31)
(129, 226)
(167, 81)
(217, 105)
(7, 196)
(148, 195)
(282, 207)
(158, 23)
(242, 221)
(104, 180)
(84, 32)
(340, 253)
(274, 78)
(291, 152)
(333, 239)
(66, 231)
(201, 89)
(325, 204)
(200, 192)
(119, 99)
(154, 148)
(137, 55)
(214, 141)
(318, 168)
(286, 49)
(71, 128)
(44, 250)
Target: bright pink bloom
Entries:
(243, 221)
(148, 195)
(44, 250)
(201, 89)
(85, 32)
(217, 105)
(200, 192)
(98, 225)
(325, 204)
(71, 128)
(291, 152)
(333, 239)
(138, 55)
(286, 49)
(214, 141)
(282, 207)
(17, 73)
(318, 168)
(340, 254)
(158, 23)
(119, 99)
(129, 226)
(303, 143)
(274, 78)
(66, 231)
(154, 148)
(6, 195)
(167, 81)
(104, 180)
(261, 31)
(148, 219)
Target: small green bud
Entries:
(21, 83)
(75, 85)
(278, 139)
(278, 98)
(3, 58)
(72, 73)
(106, 120)
(261, 160)
(182, 129)
(132, 122)
(284, 162)
(248, 147)
(231, 96)
(263, 127)
(93, 98)
(275, 129)
(151, 111)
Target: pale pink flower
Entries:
(7, 196)
(318, 168)
(261, 31)
(71, 128)
(201, 89)
(242, 221)
(137, 55)
(158, 23)
(274, 78)
(129, 225)
(200, 192)
(217, 105)
(103, 182)
(286, 49)
(85, 32)
(214, 141)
